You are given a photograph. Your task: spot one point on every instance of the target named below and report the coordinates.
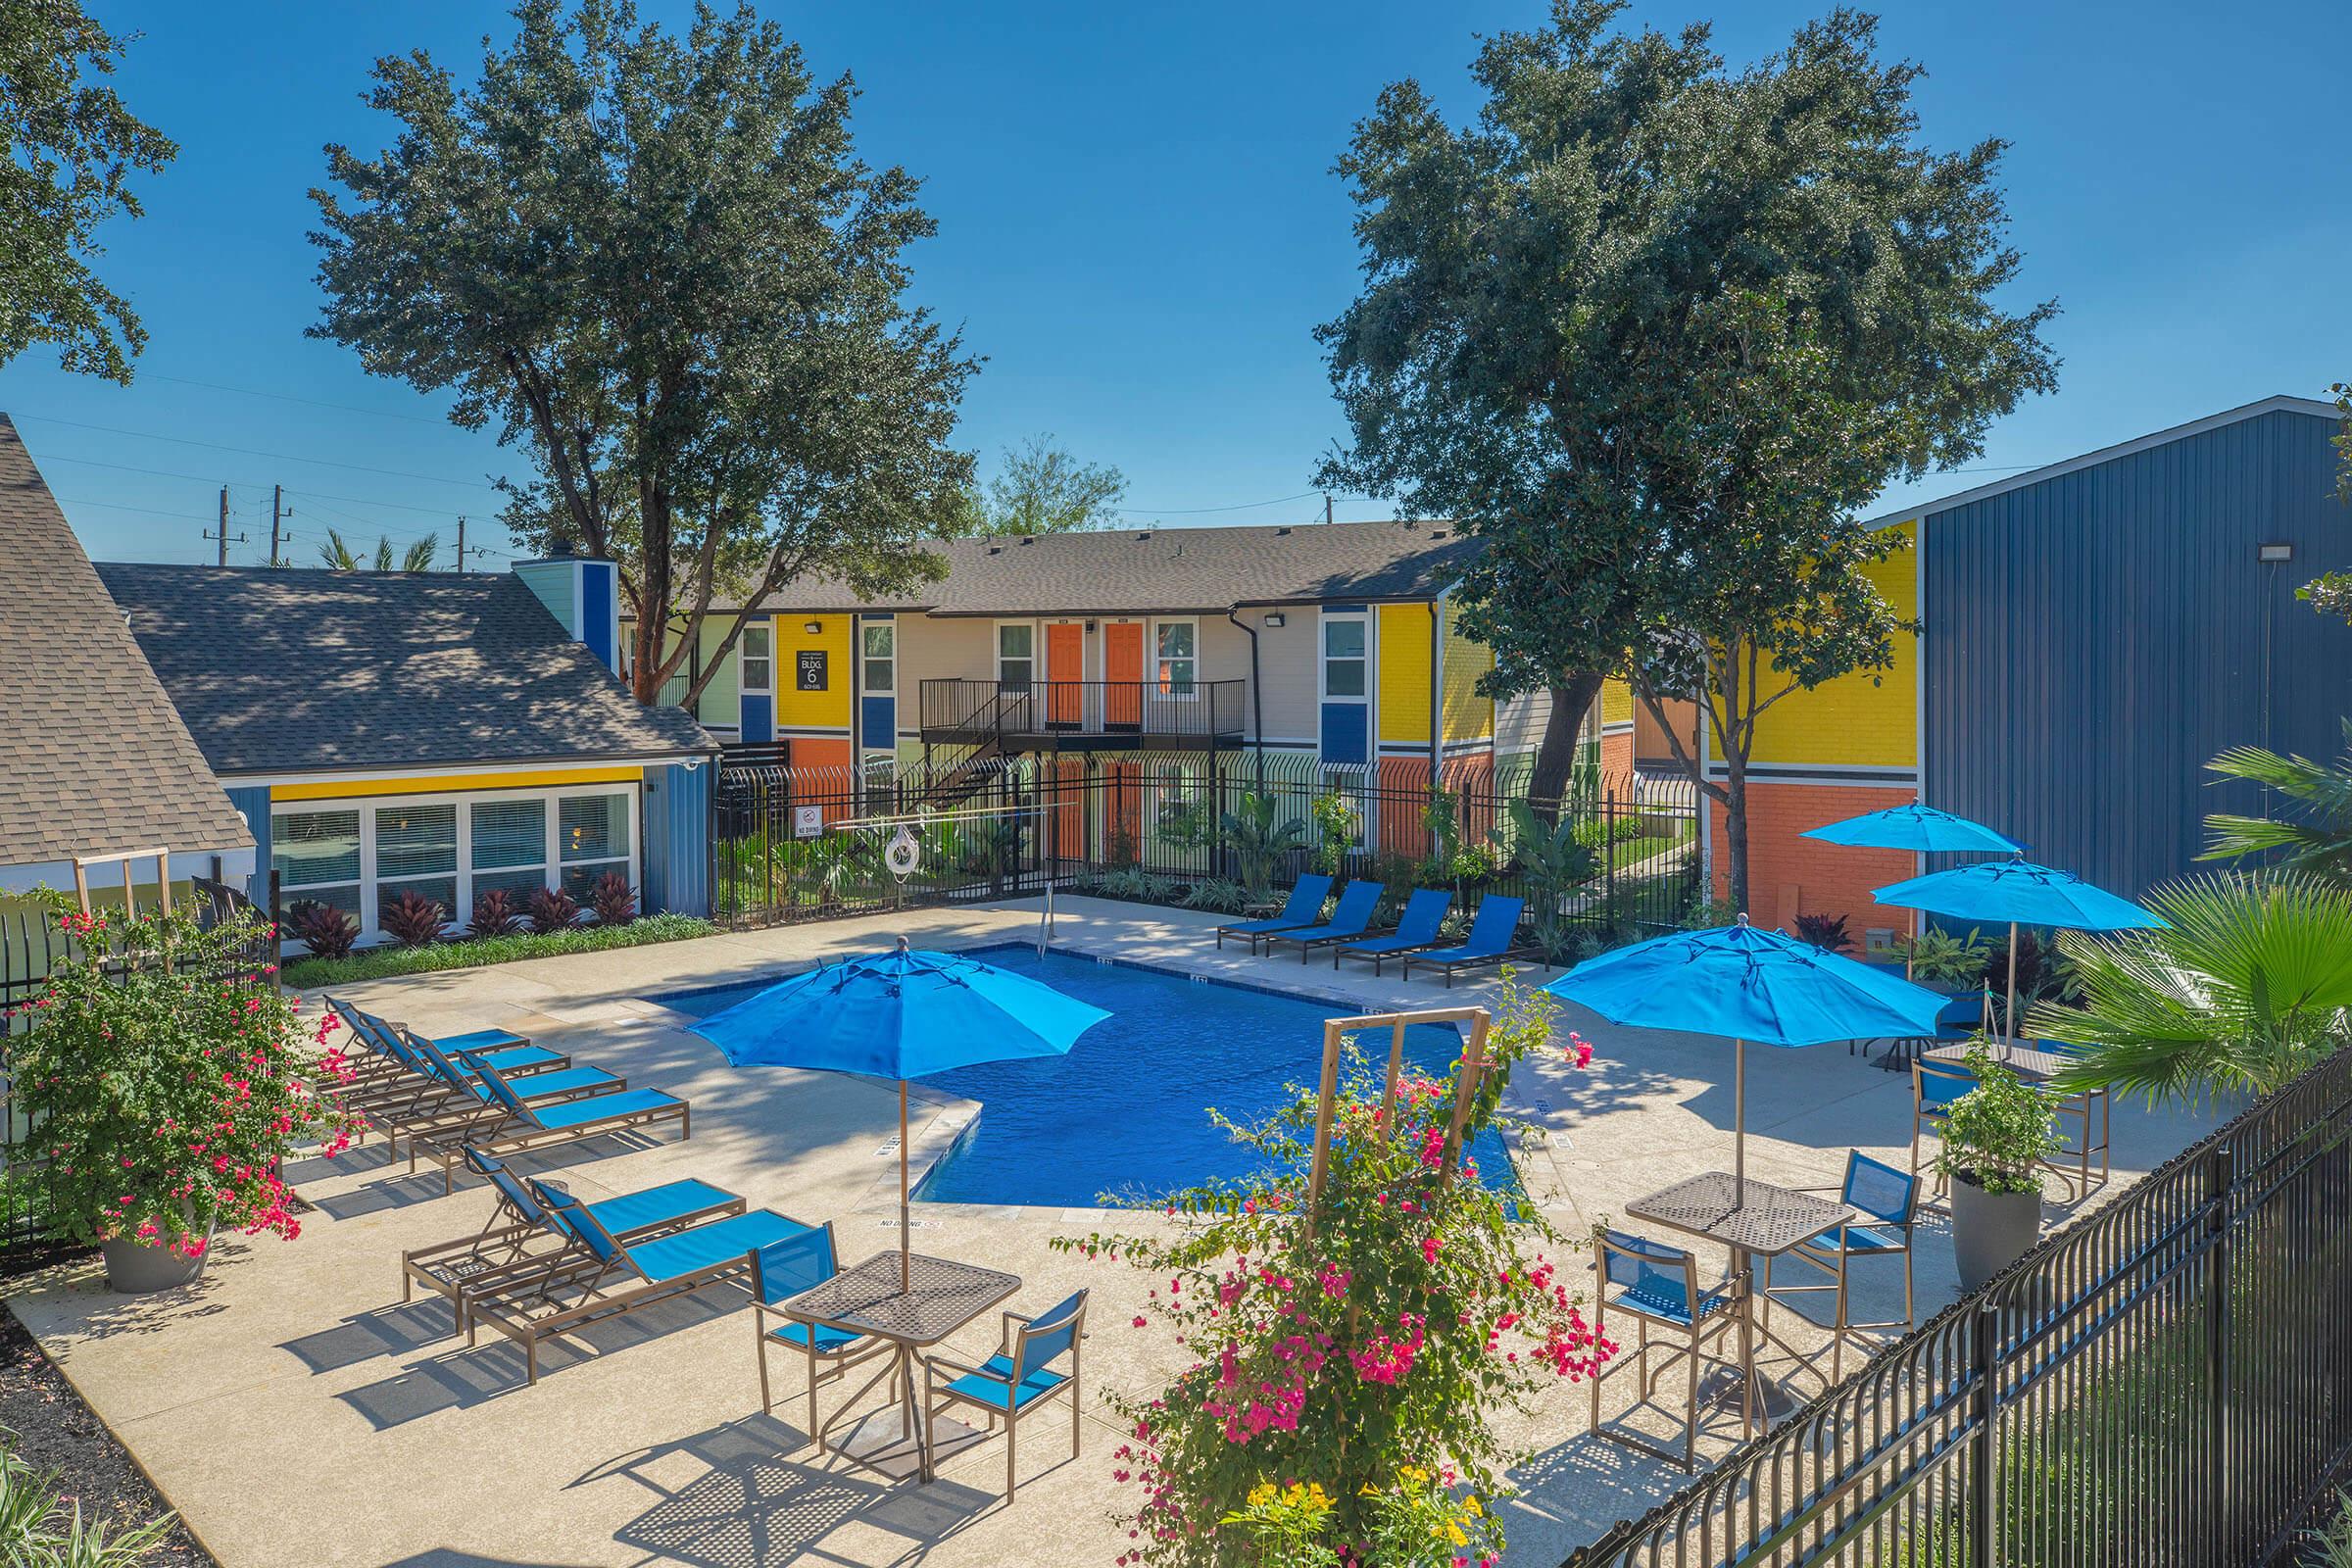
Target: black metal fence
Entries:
(2166, 1381)
(1213, 830)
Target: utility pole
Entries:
(1327, 510)
(222, 535)
(278, 507)
(461, 542)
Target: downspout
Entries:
(1257, 704)
(1437, 690)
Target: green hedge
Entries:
(382, 963)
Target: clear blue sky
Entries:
(1139, 228)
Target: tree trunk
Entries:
(1556, 756)
(1734, 826)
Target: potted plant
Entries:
(1944, 962)
(166, 1078)
(1995, 1138)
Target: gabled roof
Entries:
(93, 760)
(286, 670)
(2281, 404)
(1132, 571)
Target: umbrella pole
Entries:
(1739, 1123)
(2010, 1017)
(905, 1268)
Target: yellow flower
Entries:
(1261, 1494)
(1455, 1533)
(1470, 1507)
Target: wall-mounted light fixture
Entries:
(814, 628)
(1275, 619)
(1090, 625)
(2276, 551)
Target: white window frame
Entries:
(867, 658)
(1157, 688)
(744, 686)
(1323, 660)
(552, 867)
(1035, 657)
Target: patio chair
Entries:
(781, 1270)
(1887, 1199)
(1304, 906)
(1657, 1287)
(1424, 912)
(1018, 1378)
(526, 1126)
(508, 1052)
(617, 1277)
(1359, 901)
(1935, 1085)
(2078, 1106)
(1493, 938)
(503, 1252)
(455, 1101)
(1959, 1019)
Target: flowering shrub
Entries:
(1341, 1405)
(166, 1082)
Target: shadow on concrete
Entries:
(398, 1330)
(728, 1498)
(448, 1557)
(402, 1189)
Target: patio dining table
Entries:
(940, 1296)
(1753, 1219)
(2029, 1060)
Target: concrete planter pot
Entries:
(135, 1270)
(1990, 1230)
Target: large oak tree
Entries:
(1654, 329)
(658, 266)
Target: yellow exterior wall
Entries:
(1865, 719)
(1403, 638)
(454, 783)
(1468, 715)
(797, 709)
(1616, 702)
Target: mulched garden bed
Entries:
(54, 1430)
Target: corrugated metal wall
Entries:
(252, 804)
(2093, 639)
(677, 839)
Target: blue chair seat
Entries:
(540, 1086)
(480, 1040)
(1658, 1298)
(1860, 1239)
(657, 1205)
(828, 1338)
(511, 1060)
(602, 1107)
(699, 1248)
(997, 1388)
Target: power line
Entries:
(1194, 512)
(255, 451)
(288, 396)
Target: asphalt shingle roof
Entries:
(291, 670)
(1189, 569)
(93, 760)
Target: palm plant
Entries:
(338, 554)
(1257, 841)
(2316, 834)
(1554, 862)
(2248, 985)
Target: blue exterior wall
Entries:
(2093, 639)
(252, 804)
(677, 877)
(598, 585)
(756, 720)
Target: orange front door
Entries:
(1123, 669)
(1065, 667)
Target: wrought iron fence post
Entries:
(1984, 1337)
(2222, 1469)
(1609, 850)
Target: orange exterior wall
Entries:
(1617, 754)
(1789, 875)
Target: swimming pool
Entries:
(1126, 1112)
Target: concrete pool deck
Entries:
(297, 1413)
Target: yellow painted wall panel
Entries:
(1862, 720)
(821, 709)
(1405, 636)
(337, 789)
(1616, 702)
(1469, 716)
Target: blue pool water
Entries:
(1126, 1112)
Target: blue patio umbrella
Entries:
(1749, 984)
(1921, 829)
(2019, 893)
(902, 1015)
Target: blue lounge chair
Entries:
(781, 1271)
(452, 1100)
(508, 1052)
(1304, 907)
(1424, 913)
(1359, 901)
(1493, 938)
(616, 1277)
(522, 1239)
(528, 1126)
(1018, 1378)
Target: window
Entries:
(881, 657)
(509, 849)
(1016, 654)
(758, 664)
(1343, 658)
(591, 835)
(316, 857)
(1174, 650)
(417, 852)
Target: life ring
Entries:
(905, 853)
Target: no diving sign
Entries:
(807, 821)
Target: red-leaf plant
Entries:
(553, 909)
(412, 919)
(613, 900)
(1376, 1345)
(166, 1079)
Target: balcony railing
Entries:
(1039, 716)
